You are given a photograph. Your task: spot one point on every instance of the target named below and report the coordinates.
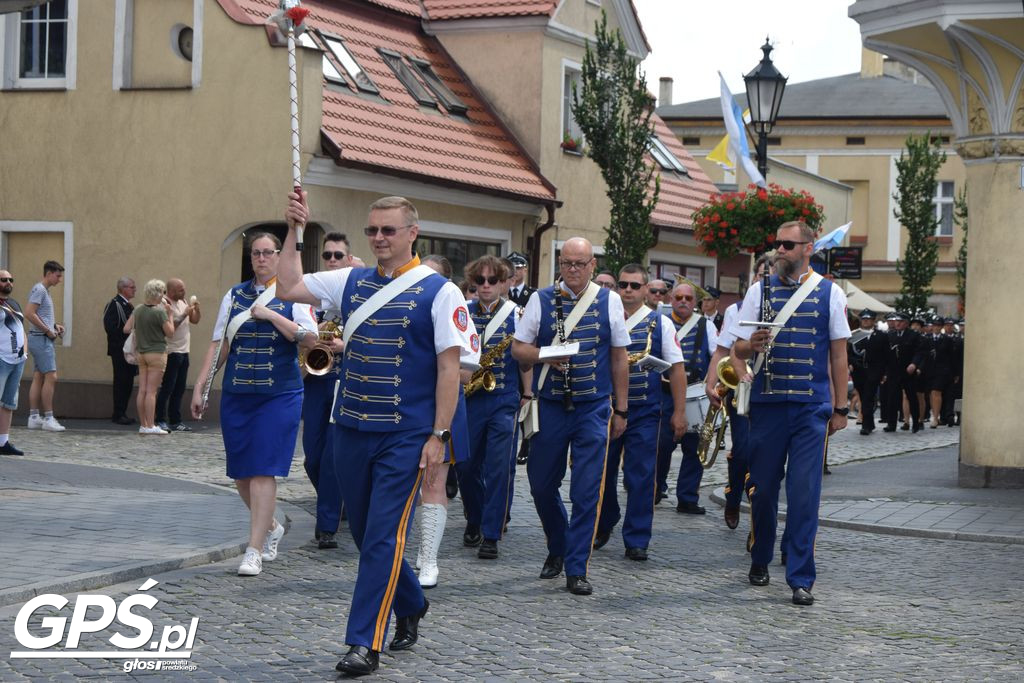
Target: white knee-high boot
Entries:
(432, 520)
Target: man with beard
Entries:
(12, 360)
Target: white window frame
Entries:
(67, 229)
(567, 65)
(124, 20)
(10, 48)
(665, 158)
(467, 232)
(939, 201)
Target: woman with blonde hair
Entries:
(153, 325)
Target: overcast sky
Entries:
(691, 40)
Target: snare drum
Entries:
(697, 406)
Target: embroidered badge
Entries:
(461, 318)
(474, 342)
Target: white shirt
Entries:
(12, 337)
(727, 337)
(329, 287)
(302, 315)
(179, 341)
(529, 325)
(670, 351)
(838, 326)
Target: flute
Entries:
(767, 316)
(567, 404)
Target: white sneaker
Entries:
(270, 544)
(35, 421)
(152, 430)
(50, 424)
(252, 563)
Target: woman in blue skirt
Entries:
(261, 392)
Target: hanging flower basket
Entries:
(735, 222)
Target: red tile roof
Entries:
(679, 196)
(438, 10)
(397, 136)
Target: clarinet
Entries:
(567, 404)
(767, 315)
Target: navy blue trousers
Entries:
(666, 444)
(787, 439)
(380, 485)
(484, 477)
(738, 461)
(586, 431)
(690, 470)
(318, 447)
(637, 449)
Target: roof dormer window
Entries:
(665, 158)
(443, 93)
(349, 64)
(405, 75)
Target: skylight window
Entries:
(666, 158)
(331, 73)
(405, 75)
(449, 99)
(349, 64)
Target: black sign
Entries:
(845, 262)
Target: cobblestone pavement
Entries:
(889, 608)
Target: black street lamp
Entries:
(764, 96)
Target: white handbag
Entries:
(131, 354)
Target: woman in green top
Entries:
(153, 325)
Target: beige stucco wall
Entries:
(154, 62)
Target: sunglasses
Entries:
(683, 297)
(265, 253)
(658, 292)
(6, 279)
(573, 265)
(336, 255)
(492, 280)
(630, 285)
(472, 289)
(788, 245)
(386, 230)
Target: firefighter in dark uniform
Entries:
(868, 361)
(902, 362)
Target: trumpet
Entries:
(712, 432)
(484, 377)
(319, 360)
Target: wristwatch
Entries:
(620, 413)
(443, 435)
(300, 334)
(842, 411)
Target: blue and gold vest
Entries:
(591, 368)
(696, 364)
(389, 374)
(261, 359)
(798, 362)
(645, 385)
(506, 371)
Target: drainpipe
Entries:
(533, 245)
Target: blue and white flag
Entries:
(738, 148)
(832, 239)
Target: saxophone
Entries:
(635, 358)
(484, 377)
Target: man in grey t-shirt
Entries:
(42, 333)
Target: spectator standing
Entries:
(168, 400)
(41, 338)
(153, 325)
(115, 315)
(12, 360)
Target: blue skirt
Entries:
(259, 432)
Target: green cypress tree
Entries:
(613, 109)
(917, 169)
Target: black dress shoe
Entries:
(552, 567)
(359, 661)
(802, 596)
(472, 537)
(316, 534)
(864, 431)
(637, 554)
(123, 420)
(732, 516)
(758, 574)
(690, 509)
(890, 428)
(407, 629)
(488, 550)
(826, 470)
(9, 449)
(578, 585)
(601, 539)
(659, 496)
(905, 427)
(326, 541)
(918, 427)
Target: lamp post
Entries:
(765, 86)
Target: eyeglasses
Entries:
(492, 280)
(683, 297)
(336, 255)
(520, 267)
(265, 253)
(6, 279)
(386, 230)
(788, 245)
(574, 265)
(658, 292)
(630, 285)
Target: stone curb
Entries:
(718, 496)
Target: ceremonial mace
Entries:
(288, 18)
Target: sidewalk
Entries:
(914, 494)
(72, 528)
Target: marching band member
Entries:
(261, 394)
(485, 478)
(573, 405)
(698, 339)
(792, 410)
(394, 409)
(637, 447)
